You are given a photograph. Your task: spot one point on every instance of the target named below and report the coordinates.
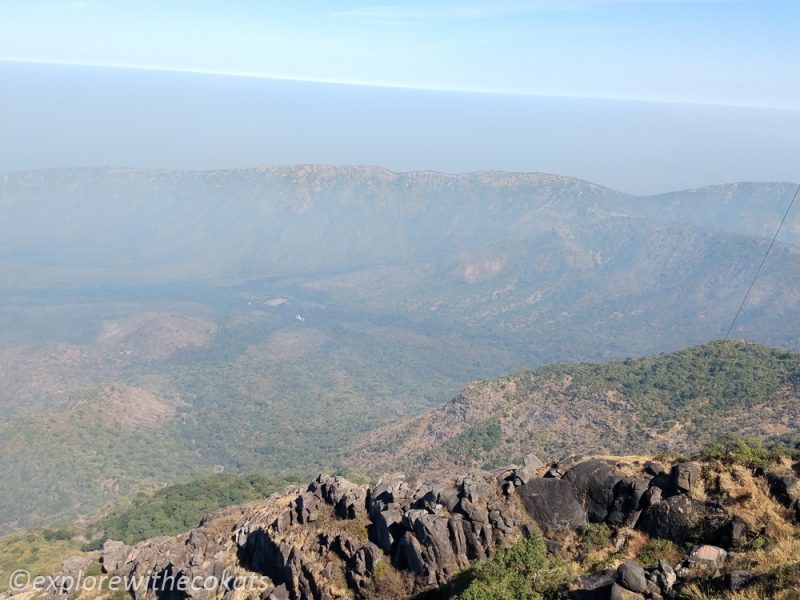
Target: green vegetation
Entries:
(662, 387)
(731, 449)
(270, 398)
(58, 534)
(477, 440)
(79, 444)
(594, 535)
(655, 549)
(524, 571)
(676, 402)
(167, 511)
(464, 281)
(177, 508)
(266, 397)
(749, 451)
(35, 550)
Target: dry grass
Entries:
(327, 522)
(783, 466)
(635, 542)
(391, 583)
(785, 551)
(748, 499)
(695, 592)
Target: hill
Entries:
(158, 326)
(672, 402)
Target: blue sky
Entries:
(643, 96)
(719, 52)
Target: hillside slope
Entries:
(670, 402)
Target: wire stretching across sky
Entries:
(763, 260)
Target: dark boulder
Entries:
(733, 534)
(594, 481)
(386, 527)
(652, 496)
(684, 476)
(664, 575)
(653, 468)
(553, 504)
(737, 580)
(448, 496)
(627, 503)
(596, 586)
(619, 592)
(678, 518)
(784, 488)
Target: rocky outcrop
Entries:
(113, 555)
(333, 538)
(436, 530)
(327, 541)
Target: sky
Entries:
(726, 52)
(712, 53)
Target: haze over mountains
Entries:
(158, 325)
(271, 221)
(67, 115)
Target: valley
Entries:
(269, 319)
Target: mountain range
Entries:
(156, 326)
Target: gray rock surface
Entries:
(553, 503)
(113, 555)
(631, 575)
(684, 476)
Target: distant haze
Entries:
(70, 116)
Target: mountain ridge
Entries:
(372, 169)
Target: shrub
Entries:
(594, 535)
(92, 545)
(655, 549)
(60, 534)
(477, 440)
(748, 451)
(524, 571)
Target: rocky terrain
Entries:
(620, 528)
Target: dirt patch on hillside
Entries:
(155, 336)
(289, 344)
(134, 407)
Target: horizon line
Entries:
(381, 85)
(5, 173)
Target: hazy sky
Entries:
(494, 64)
(728, 52)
